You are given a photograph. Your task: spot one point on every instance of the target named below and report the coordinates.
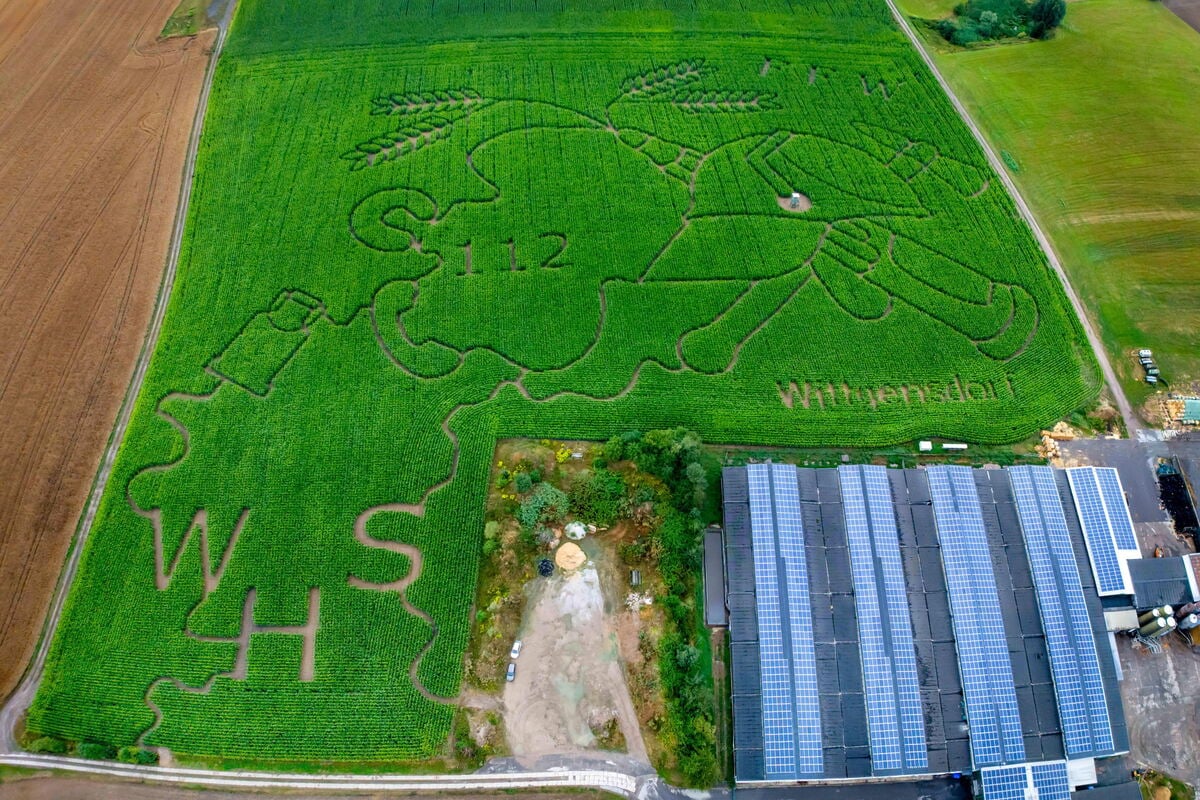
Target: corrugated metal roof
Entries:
(1160, 581)
(715, 613)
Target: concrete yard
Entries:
(1162, 708)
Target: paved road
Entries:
(615, 782)
(1186, 10)
(16, 705)
(1132, 423)
(79, 787)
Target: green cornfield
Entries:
(418, 227)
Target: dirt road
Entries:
(94, 122)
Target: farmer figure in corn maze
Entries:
(557, 208)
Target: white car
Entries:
(515, 653)
(511, 675)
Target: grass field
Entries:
(399, 250)
(1104, 127)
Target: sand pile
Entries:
(569, 557)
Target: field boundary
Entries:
(16, 705)
(1132, 424)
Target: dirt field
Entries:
(1161, 707)
(94, 123)
(569, 678)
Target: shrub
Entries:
(598, 497)
(137, 755)
(96, 750)
(48, 744)
(546, 504)
(1046, 15)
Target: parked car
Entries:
(511, 675)
(515, 653)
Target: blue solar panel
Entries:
(1045, 780)
(1117, 507)
(790, 701)
(1112, 576)
(1078, 686)
(895, 721)
(987, 678)
(1005, 783)
(804, 659)
(1051, 781)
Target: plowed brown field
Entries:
(94, 123)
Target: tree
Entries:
(545, 504)
(988, 20)
(1046, 15)
(699, 480)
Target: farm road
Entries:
(94, 122)
(1186, 10)
(1132, 424)
(53, 787)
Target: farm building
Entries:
(888, 624)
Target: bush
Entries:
(545, 504)
(1046, 16)
(96, 750)
(503, 478)
(48, 744)
(524, 482)
(599, 497)
(137, 755)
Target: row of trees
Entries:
(674, 456)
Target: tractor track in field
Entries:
(1133, 424)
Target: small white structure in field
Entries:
(925, 446)
(576, 530)
(953, 446)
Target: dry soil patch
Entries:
(569, 676)
(94, 122)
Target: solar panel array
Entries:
(896, 724)
(790, 533)
(988, 688)
(1107, 527)
(1045, 780)
(1118, 510)
(790, 701)
(1074, 661)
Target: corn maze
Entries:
(773, 229)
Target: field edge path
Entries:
(19, 701)
(1132, 424)
(609, 780)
